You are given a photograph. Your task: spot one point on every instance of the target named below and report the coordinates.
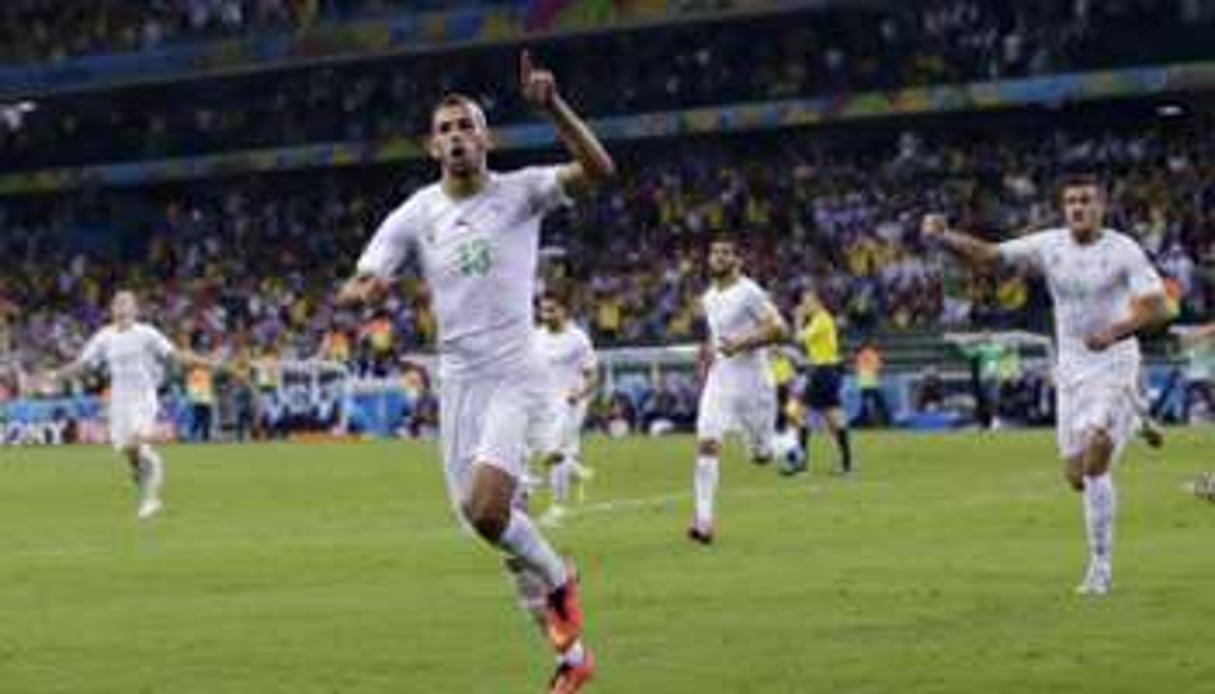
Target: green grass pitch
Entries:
(947, 566)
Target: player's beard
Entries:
(721, 274)
(463, 162)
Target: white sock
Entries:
(706, 488)
(1100, 505)
(529, 587)
(560, 477)
(574, 655)
(521, 539)
(152, 472)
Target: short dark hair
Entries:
(727, 237)
(555, 295)
(1080, 179)
(461, 100)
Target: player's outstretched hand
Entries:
(539, 85)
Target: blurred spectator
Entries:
(813, 52)
(868, 368)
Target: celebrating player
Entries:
(575, 375)
(1104, 291)
(738, 394)
(134, 354)
(477, 234)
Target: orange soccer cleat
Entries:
(564, 613)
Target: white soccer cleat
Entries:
(1097, 581)
(149, 508)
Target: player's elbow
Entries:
(602, 169)
(1155, 310)
(779, 332)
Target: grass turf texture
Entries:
(947, 566)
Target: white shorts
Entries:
(749, 411)
(1101, 402)
(132, 419)
(492, 420)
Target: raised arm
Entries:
(970, 249)
(592, 165)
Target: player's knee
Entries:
(489, 521)
(709, 447)
(1100, 450)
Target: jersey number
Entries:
(474, 258)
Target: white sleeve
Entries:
(390, 244)
(94, 349)
(587, 360)
(159, 344)
(1025, 252)
(758, 303)
(1140, 274)
(544, 190)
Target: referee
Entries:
(820, 341)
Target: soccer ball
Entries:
(789, 452)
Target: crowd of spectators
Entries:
(33, 31)
(824, 51)
(251, 265)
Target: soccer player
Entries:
(1104, 291)
(574, 370)
(738, 393)
(820, 341)
(134, 354)
(476, 232)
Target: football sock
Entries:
(559, 477)
(844, 442)
(151, 472)
(705, 481)
(521, 539)
(1100, 505)
(574, 655)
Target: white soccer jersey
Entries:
(732, 313)
(1092, 286)
(569, 355)
(133, 357)
(478, 255)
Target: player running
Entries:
(574, 370)
(476, 233)
(1104, 291)
(134, 354)
(738, 393)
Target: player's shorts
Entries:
(493, 420)
(736, 406)
(132, 419)
(1104, 401)
(823, 387)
